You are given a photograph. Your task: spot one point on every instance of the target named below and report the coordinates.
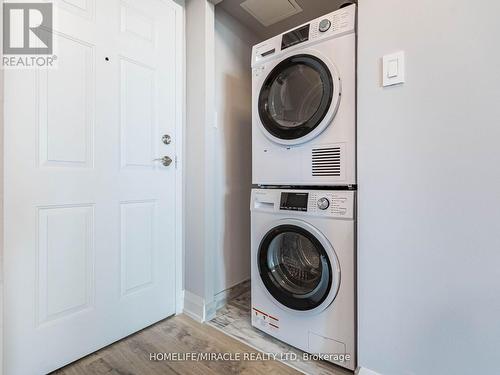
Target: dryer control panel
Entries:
(338, 204)
(332, 25)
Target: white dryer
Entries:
(304, 104)
(303, 273)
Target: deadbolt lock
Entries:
(166, 139)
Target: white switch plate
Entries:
(393, 69)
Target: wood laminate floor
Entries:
(180, 334)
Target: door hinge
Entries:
(175, 161)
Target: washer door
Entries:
(298, 99)
(298, 267)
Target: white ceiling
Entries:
(311, 9)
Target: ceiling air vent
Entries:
(268, 12)
(326, 161)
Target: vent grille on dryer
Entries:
(326, 162)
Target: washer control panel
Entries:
(334, 23)
(333, 203)
(323, 203)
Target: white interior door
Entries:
(89, 216)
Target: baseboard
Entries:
(210, 310)
(179, 302)
(365, 371)
(196, 308)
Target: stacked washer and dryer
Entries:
(304, 173)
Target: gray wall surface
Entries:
(199, 140)
(429, 188)
(233, 150)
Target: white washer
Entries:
(303, 273)
(304, 106)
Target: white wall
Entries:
(217, 157)
(199, 152)
(233, 150)
(429, 189)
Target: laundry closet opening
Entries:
(233, 153)
(219, 143)
(227, 47)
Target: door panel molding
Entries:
(138, 224)
(132, 157)
(138, 24)
(69, 291)
(80, 8)
(55, 131)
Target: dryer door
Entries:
(298, 99)
(298, 267)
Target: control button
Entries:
(323, 203)
(324, 25)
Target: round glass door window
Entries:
(295, 97)
(294, 267)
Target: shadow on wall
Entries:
(234, 155)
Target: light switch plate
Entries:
(393, 69)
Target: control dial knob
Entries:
(323, 203)
(324, 25)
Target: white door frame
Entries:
(2, 158)
(180, 123)
(1, 192)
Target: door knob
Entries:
(166, 161)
